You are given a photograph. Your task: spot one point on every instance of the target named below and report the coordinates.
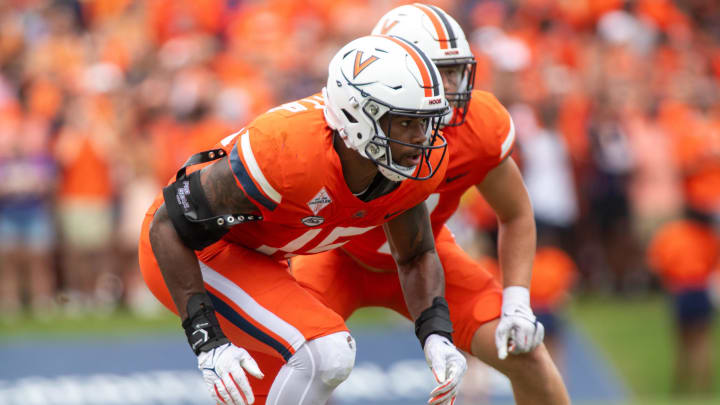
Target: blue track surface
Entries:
(390, 369)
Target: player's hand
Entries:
(448, 366)
(518, 330)
(222, 370)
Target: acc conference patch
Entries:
(313, 221)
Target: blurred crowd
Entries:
(616, 105)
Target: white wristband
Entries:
(516, 295)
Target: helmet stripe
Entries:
(436, 22)
(424, 64)
(451, 34)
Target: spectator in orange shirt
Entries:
(684, 253)
(84, 151)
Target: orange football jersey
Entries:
(477, 146)
(285, 163)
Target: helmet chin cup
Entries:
(381, 155)
(399, 175)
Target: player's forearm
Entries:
(421, 279)
(413, 248)
(516, 249)
(178, 263)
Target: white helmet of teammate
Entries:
(441, 38)
(377, 75)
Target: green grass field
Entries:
(634, 335)
(119, 323)
(637, 337)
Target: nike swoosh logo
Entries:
(393, 214)
(453, 178)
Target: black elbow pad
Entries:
(190, 212)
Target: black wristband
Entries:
(435, 319)
(202, 327)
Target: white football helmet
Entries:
(441, 38)
(377, 75)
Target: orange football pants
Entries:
(338, 281)
(259, 305)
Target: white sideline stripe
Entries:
(254, 168)
(509, 139)
(257, 312)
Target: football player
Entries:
(492, 322)
(301, 179)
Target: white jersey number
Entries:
(327, 244)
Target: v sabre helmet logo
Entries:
(360, 65)
(387, 26)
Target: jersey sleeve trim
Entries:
(250, 171)
(509, 140)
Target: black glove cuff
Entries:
(202, 327)
(435, 319)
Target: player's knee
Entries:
(526, 365)
(337, 357)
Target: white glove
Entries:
(518, 327)
(222, 370)
(448, 366)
